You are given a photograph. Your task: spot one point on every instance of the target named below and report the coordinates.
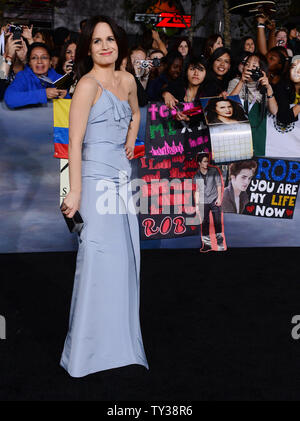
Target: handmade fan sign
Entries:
(167, 137)
(166, 202)
(263, 187)
(274, 188)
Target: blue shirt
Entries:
(28, 89)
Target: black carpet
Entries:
(215, 327)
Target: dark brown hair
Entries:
(62, 57)
(156, 52)
(201, 156)
(37, 45)
(236, 167)
(83, 61)
(47, 37)
(178, 41)
(210, 43)
(211, 113)
(129, 65)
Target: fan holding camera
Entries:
(138, 65)
(14, 56)
(34, 85)
(256, 92)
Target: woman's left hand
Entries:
(62, 93)
(155, 35)
(264, 81)
(170, 100)
(27, 33)
(129, 151)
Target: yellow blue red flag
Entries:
(61, 110)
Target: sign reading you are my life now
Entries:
(274, 188)
(167, 137)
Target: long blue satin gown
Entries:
(104, 327)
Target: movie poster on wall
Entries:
(229, 128)
(166, 136)
(263, 187)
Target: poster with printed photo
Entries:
(229, 128)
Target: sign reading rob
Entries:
(167, 197)
(274, 188)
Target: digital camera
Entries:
(144, 63)
(256, 74)
(156, 62)
(16, 30)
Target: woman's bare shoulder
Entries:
(87, 87)
(88, 82)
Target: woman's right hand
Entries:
(68, 66)
(181, 117)
(71, 204)
(170, 100)
(21, 53)
(246, 75)
(12, 45)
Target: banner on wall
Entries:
(165, 136)
(229, 129)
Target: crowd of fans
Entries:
(167, 70)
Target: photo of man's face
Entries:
(242, 180)
(204, 164)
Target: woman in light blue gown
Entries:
(104, 328)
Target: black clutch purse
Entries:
(75, 224)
